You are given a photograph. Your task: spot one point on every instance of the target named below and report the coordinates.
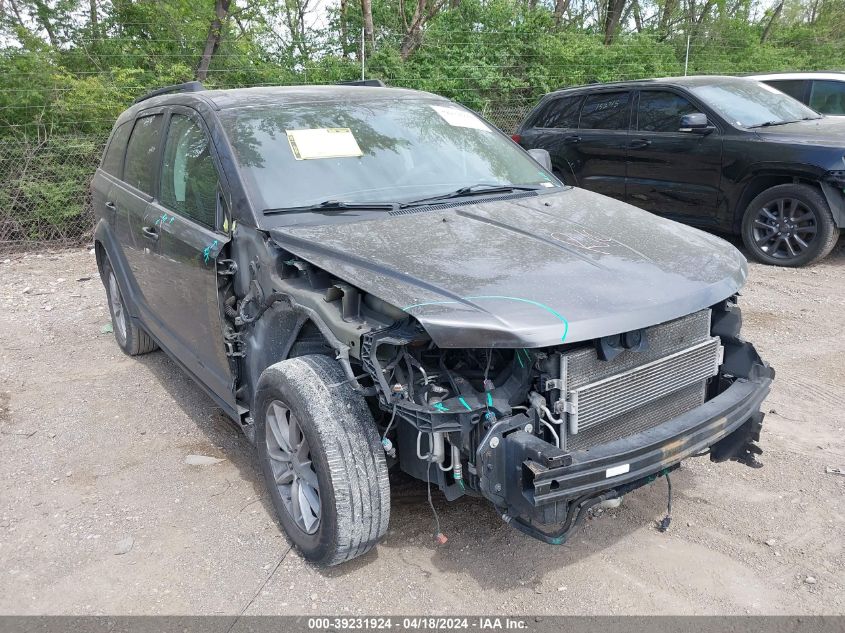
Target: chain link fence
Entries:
(44, 195)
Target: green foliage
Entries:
(67, 76)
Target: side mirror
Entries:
(542, 157)
(695, 123)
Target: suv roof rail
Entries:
(188, 86)
(373, 83)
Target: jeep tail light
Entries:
(516, 137)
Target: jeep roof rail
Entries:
(188, 86)
(374, 83)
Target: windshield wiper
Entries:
(472, 190)
(335, 205)
(771, 123)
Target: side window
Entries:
(113, 158)
(828, 97)
(188, 175)
(561, 113)
(606, 111)
(661, 111)
(141, 165)
(795, 88)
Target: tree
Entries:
(612, 18)
(212, 40)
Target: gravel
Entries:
(102, 513)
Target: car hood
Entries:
(527, 272)
(828, 131)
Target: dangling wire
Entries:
(438, 535)
(664, 524)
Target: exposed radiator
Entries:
(636, 390)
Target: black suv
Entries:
(366, 278)
(723, 153)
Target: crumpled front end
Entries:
(544, 434)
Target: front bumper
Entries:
(534, 483)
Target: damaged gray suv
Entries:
(367, 279)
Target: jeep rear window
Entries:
(408, 149)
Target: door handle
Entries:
(639, 143)
(571, 140)
(111, 205)
(150, 233)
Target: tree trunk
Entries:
(212, 40)
(612, 18)
(369, 31)
(561, 7)
(42, 16)
(638, 16)
(768, 30)
(344, 32)
(414, 30)
(666, 18)
(411, 39)
(92, 12)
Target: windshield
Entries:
(747, 103)
(381, 151)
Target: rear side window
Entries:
(188, 175)
(562, 113)
(141, 153)
(828, 97)
(661, 111)
(606, 111)
(113, 158)
(795, 88)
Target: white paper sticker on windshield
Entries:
(331, 142)
(460, 118)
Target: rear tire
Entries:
(321, 458)
(789, 225)
(129, 336)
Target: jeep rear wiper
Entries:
(472, 190)
(335, 205)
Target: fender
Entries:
(768, 175)
(104, 237)
(836, 201)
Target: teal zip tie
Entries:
(464, 402)
(440, 406)
(489, 399)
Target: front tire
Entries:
(789, 225)
(321, 458)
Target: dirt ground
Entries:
(101, 514)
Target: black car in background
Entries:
(724, 153)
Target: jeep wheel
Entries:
(130, 337)
(789, 225)
(321, 458)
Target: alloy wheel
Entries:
(293, 471)
(116, 304)
(784, 228)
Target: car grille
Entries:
(607, 400)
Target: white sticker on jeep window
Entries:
(460, 118)
(617, 470)
(329, 142)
